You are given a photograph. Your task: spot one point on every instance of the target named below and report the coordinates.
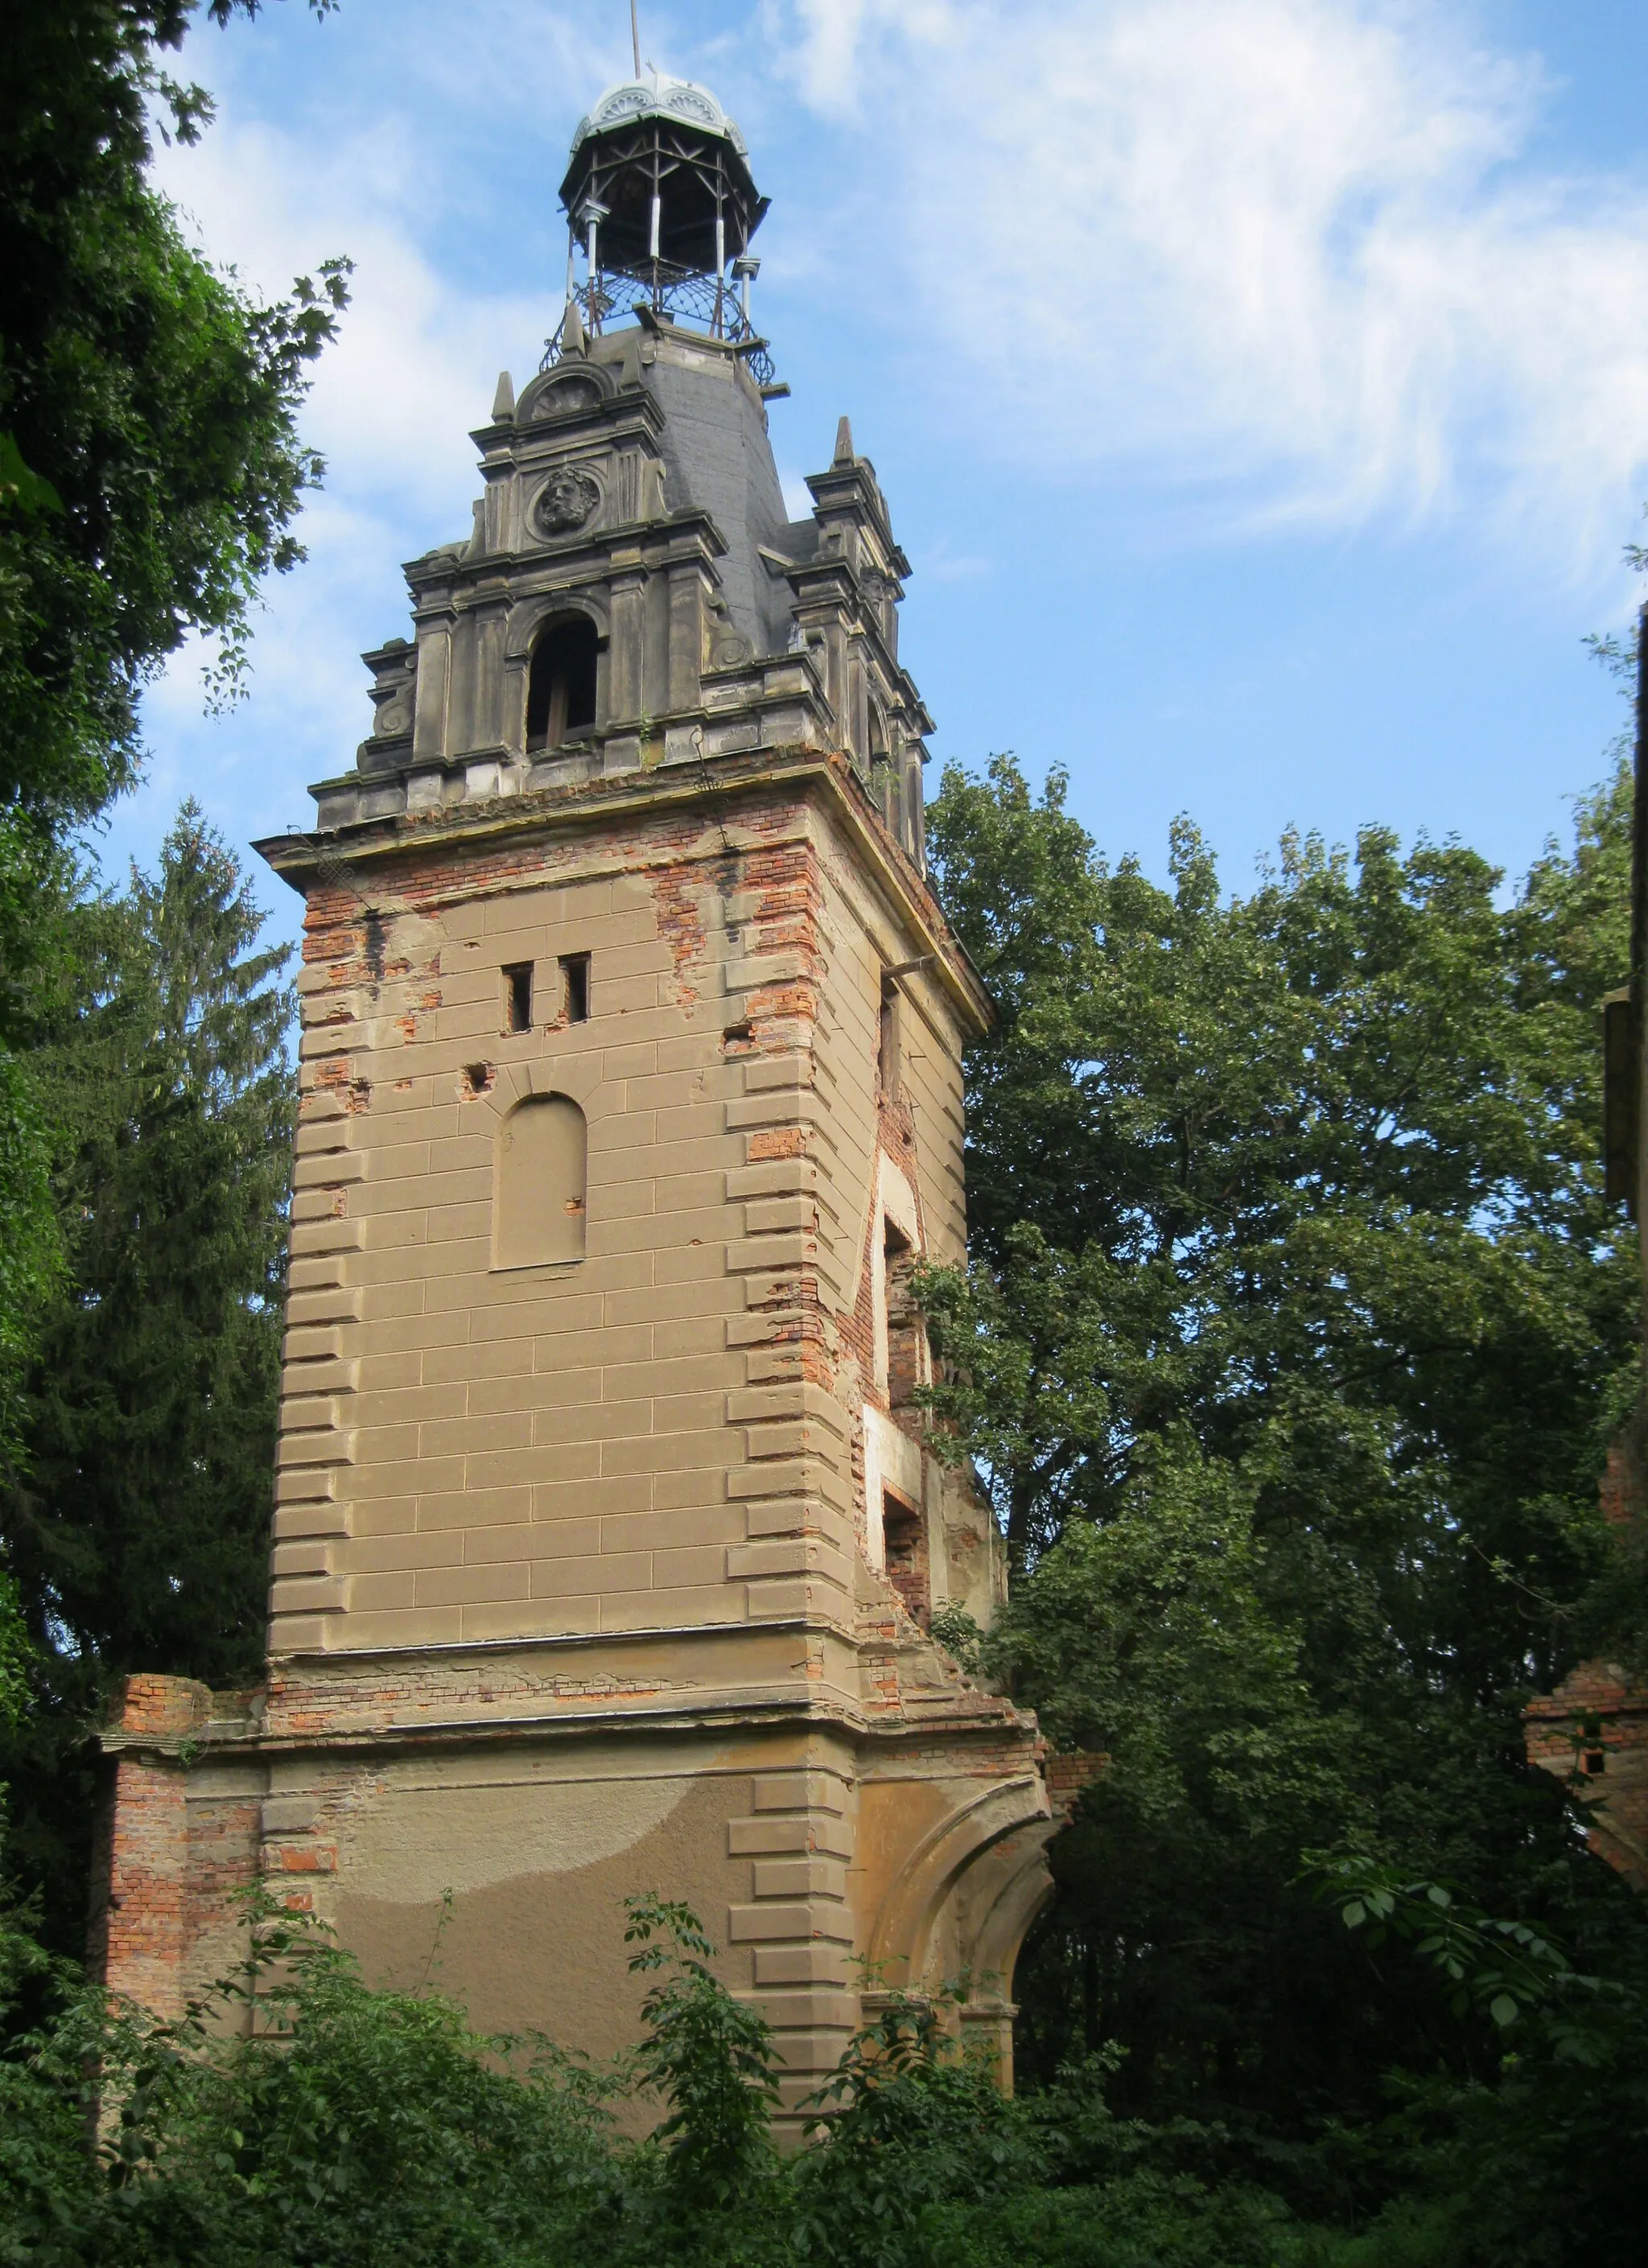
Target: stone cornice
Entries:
(708, 1713)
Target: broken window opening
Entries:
(517, 992)
(887, 1044)
(574, 987)
(561, 685)
(905, 1339)
(908, 1568)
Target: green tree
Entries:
(149, 402)
(1295, 1308)
(150, 469)
(709, 2057)
(137, 1522)
(30, 1249)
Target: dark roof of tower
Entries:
(718, 458)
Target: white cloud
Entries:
(412, 370)
(1293, 245)
(417, 355)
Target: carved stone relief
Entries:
(569, 499)
(394, 694)
(729, 648)
(686, 102)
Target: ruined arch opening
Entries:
(561, 681)
(539, 1184)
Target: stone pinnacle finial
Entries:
(504, 400)
(572, 330)
(844, 443)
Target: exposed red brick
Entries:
(1068, 1777)
(1593, 1733)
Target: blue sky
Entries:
(1260, 387)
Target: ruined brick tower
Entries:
(607, 1534)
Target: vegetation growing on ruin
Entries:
(360, 2129)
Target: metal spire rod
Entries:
(634, 37)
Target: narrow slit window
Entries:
(899, 1354)
(517, 991)
(574, 974)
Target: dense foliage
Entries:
(150, 469)
(355, 2129)
(139, 1526)
(1295, 1332)
(149, 404)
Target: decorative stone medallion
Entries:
(568, 499)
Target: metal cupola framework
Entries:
(661, 202)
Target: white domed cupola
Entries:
(661, 204)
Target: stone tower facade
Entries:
(607, 1532)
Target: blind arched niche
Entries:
(538, 1177)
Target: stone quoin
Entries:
(607, 1530)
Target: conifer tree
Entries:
(136, 1521)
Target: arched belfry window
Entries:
(561, 684)
(539, 1184)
